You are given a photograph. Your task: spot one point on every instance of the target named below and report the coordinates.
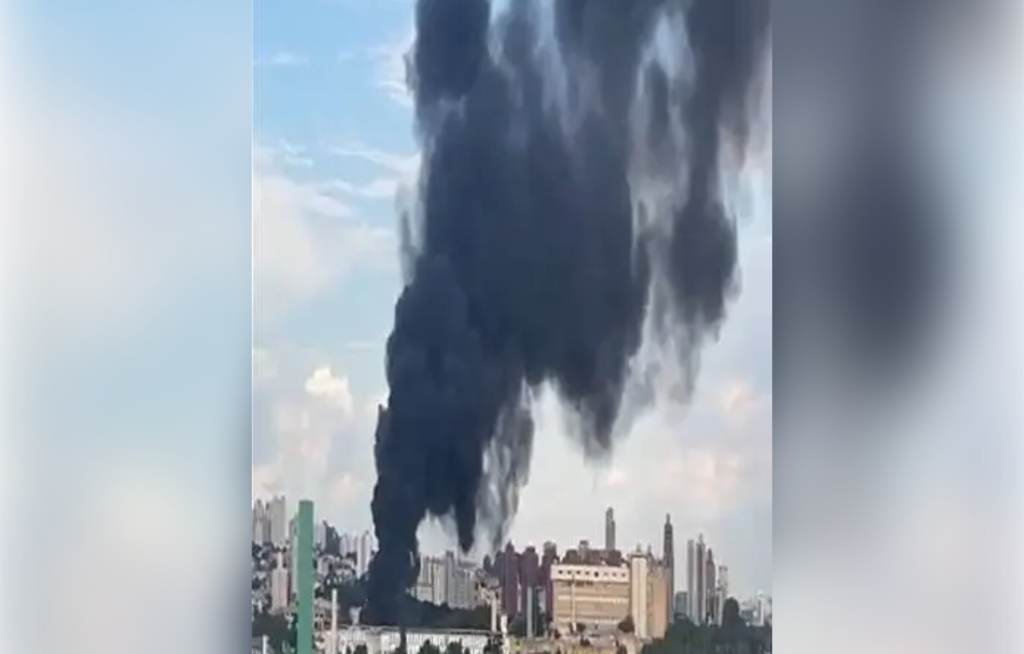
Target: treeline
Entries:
(688, 638)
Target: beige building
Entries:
(659, 610)
(600, 596)
(596, 596)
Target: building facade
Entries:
(597, 597)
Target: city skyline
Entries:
(361, 545)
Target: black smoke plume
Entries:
(527, 263)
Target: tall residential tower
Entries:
(668, 557)
(609, 530)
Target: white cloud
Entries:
(286, 59)
(404, 166)
(331, 388)
(402, 171)
(306, 238)
(319, 443)
(391, 67)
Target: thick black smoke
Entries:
(527, 263)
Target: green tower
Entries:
(304, 570)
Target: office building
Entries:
(609, 530)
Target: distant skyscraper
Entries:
(548, 559)
(278, 521)
(691, 580)
(668, 557)
(529, 575)
(609, 530)
(722, 591)
(259, 519)
(510, 581)
(364, 551)
(279, 585)
(711, 599)
(700, 601)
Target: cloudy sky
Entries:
(333, 137)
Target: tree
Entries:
(731, 613)
(517, 627)
(454, 647)
(360, 649)
(626, 625)
(276, 627)
(429, 648)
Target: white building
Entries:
(638, 594)
(279, 585)
(277, 513)
(364, 552)
(386, 640)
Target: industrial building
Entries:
(599, 596)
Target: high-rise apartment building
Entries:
(364, 547)
(691, 580)
(278, 514)
(722, 591)
(696, 580)
(529, 576)
(609, 530)
(320, 534)
(548, 558)
(701, 598)
(509, 579)
(668, 558)
(279, 585)
(711, 600)
(259, 521)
